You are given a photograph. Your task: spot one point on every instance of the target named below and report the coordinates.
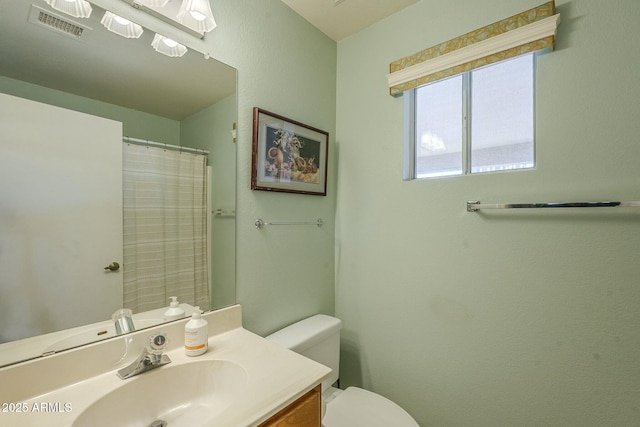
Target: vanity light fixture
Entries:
(121, 26)
(192, 16)
(196, 14)
(167, 46)
(76, 8)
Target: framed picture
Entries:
(288, 156)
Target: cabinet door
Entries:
(304, 412)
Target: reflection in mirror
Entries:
(97, 88)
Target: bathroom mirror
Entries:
(103, 74)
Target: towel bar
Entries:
(475, 205)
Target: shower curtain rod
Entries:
(138, 141)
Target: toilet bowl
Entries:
(318, 338)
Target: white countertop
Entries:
(275, 377)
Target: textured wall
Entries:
(500, 318)
(288, 67)
(210, 129)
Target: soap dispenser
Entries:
(196, 334)
(174, 311)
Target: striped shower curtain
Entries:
(165, 228)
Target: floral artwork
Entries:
(288, 156)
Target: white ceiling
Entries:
(341, 18)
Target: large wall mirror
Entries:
(187, 101)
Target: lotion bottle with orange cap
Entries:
(196, 334)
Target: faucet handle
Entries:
(150, 358)
(157, 344)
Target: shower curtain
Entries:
(165, 228)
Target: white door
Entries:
(60, 218)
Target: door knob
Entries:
(114, 266)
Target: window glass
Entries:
(502, 116)
(439, 128)
(479, 121)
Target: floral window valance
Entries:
(529, 31)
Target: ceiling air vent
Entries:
(57, 23)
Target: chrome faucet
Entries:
(150, 358)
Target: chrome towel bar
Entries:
(221, 212)
(475, 205)
(259, 224)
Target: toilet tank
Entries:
(316, 337)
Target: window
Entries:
(479, 121)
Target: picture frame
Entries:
(288, 156)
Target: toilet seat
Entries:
(355, 407)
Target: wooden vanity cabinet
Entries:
(304, 412)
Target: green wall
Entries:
(501, 318)
(210, 129)
(288, 67)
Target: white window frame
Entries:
(409, 171)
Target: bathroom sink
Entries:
(189, 394)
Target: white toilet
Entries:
(318, 338)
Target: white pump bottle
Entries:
(196, 334)
(174, 311)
